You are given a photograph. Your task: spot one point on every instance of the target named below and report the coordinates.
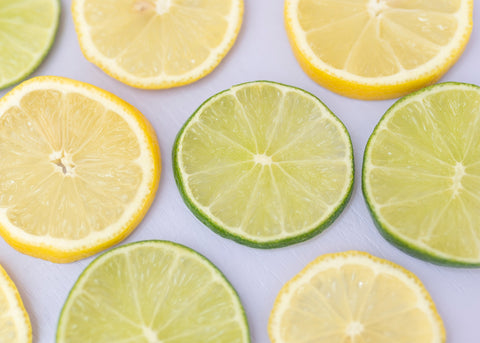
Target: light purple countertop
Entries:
(261, 52)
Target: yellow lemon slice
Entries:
(79, 168)
(14, 322)
(355, 297)
(157, 43)
(377, 49)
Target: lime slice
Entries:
(354, 297)
(421, 174)
(27, 31)
(14, 321)
(152, 292)
(264, 164)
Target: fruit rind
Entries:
(391, 236)
(271, 244)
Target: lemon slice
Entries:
(157, 43)
(421, 176)
(14, 322)
(79, 168)
(354, 297)
(377, 49)
(264, 164)
(152, 292)
(27, 31)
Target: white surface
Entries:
(261, 52)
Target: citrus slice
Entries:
(14, 322)
(377, 49)
(152, 292)
(79, 168)
(27, 31)
(354, 297)
(157, 43)
(421, 176)
(264, 164)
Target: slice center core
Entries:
(354, 328)
(63, 163)
(163, 6)
(159, 6)
(375, 7)
(263, 159)
(457, 178)
(151, 335)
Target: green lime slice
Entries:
(152, 292)
(264, 164)
(27, 31)
(421, 174)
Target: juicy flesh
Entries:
(373, 38)
(148, 37)
(8, 329)
(354, 303)
(11, 325)
(154, 296)
(24, 34)
(266, 163)
(68, 165)
(424, 176)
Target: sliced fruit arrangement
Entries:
(14, 321)
(264, 164)
(157, 43)
(421, 176)
(354, 297)
(152, 291)
(27, 31)
(79, 168)
(377, 49)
